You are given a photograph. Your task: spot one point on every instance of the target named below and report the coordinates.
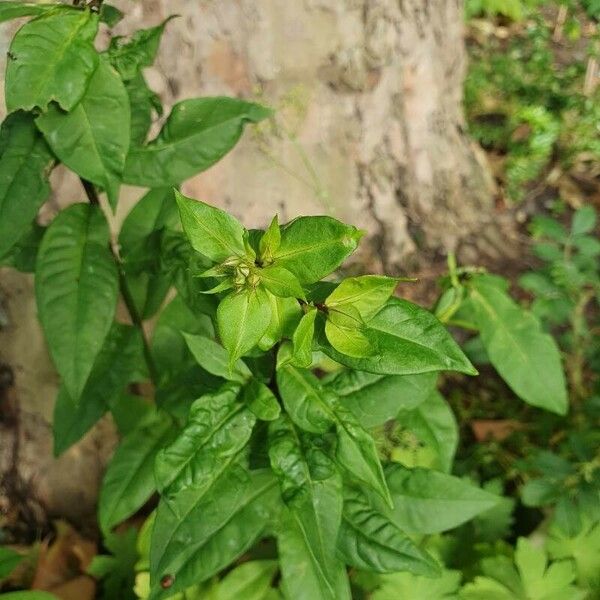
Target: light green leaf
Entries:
(120, 361)
(307, 533)
(303, 340)
(218, 428)
(15, 10)
(428, 501)
(281, 282)
(313, 247)
(194, 544)
(93, 138)
(51, 58)
(25, 163)
(211, 231)
(29, 595)
(350, 341)
(197, 134)
(285, 316)
(250, 581)
(269, 242)
(527, 358)
(9, 559)
(367, 294)
(418, 587)
(584, 220)
(261, 401)
(433, 422)
(368, 540)
(242, 319)
(129, 480)
(214, 358)
(129, 58)
(374, 399)
(406, 339)
(76, 288)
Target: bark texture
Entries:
(369, 128)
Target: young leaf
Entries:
(29, 595)
(350, 341)
(313, 247)
(120, 361)
(261, 401)
(128, 58)
(407, 339)
(434, 424)
(9, 559)
(52, 58)
(250, 581)
(367, 294)
(430, 502)
(303, 340)
(218, 428)
(527, 358)
(196, 135)
(129, 480)
(15, 10)
(374, 399)
(76, 288)
(25, 162)
(242, 319)
(418, 587)
(142, 103)
(194, 542)
(308, 530)
(281, 282)
(368, 540)
(285, 316)
(269, 242)
(210, 230)
(93, 138)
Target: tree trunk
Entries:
(369, 128)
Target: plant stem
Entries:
(134, 315)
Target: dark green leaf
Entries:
(128, 411)
(51, 58)
(407, 339)
(368, 540)
(110, 14)
(9, 559)
(23, 255)
(25, 163)
(129, 480)
(197, 134)
(142, 103)
(313, 247)
(120, 361)
(261, 401)
(374, 399)
(14, 10)
(93, 139)
(194, 544)
(76, 288)
(527, 358)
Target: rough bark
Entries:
(369, 128)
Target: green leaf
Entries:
(129, 480)
(303, 340)
(313, 247)
(129, 58)
(433, 422)
(307, 533)
(269, 242)
(250, 581)
(242, 319)
(25, 163)
(218, 428)
(15, 10)
(110, 14)
(418, 587)
(120, 361)
(261, 401)
(584, 220)
(142, 103)
(23, 255)
(93, 138)
(9, 559)
(428, 501)
(527, 358)
(140, 240)
(51, 58)
(214, 358)
(281, 282)
(350, 341)
(76, 288)
(368, 540)
(367, 294)
(374, 399)
(194, 544)
(34, 595)
(211, 231)
(285, 316)
(407, 339)
(196, 135)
